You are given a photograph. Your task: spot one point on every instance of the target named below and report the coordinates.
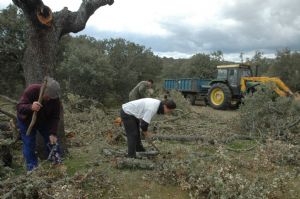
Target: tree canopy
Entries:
(108, 69)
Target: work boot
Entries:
(140, 148)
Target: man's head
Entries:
(52, 89)
(150, 83)
(169, 105)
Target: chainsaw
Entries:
(54, 155)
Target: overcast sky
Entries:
(181, 28)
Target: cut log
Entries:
(111, 152)
(180, 138)
(132, 163)
(119, 153)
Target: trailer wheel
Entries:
(219, 96)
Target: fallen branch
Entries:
(8, 99)
(149, 141)
(14, 117)
(176, 118)
(292, 124)
(10, 193)
(82, 177)
(47, 195)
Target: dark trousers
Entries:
(29, 144)
(132, 128)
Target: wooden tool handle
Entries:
(34, 115)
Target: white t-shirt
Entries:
(144, 108)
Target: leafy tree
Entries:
(132, 64)
(217, 56)
(85, 69)
(200, 66)
(12, 45)
(173, 68)
(261, 62)
(287, 67)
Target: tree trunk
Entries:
(44, 33)
(40, 55)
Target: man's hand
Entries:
(53, 139)
(147, 135)
(36, 106)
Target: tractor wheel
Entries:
(191, 98)
(219, 96)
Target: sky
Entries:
(182, 28)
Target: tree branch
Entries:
(12, 116)
(9, 99)
(76, 21)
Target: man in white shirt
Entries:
(138, 114)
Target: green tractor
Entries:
(233, 81)
(225, 91)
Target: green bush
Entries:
(267, 114)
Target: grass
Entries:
(130, 183)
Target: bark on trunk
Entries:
(44, 33)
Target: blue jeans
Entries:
(29, 143)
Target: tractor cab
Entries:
(231, 75)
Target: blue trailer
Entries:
(192, 88)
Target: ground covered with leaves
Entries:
(203, 153)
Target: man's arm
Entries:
(24, 106)
(144, 127)
(146, 121)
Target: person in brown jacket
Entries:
(47, 118)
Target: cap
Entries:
(52, 89)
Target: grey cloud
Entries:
(260, 25)
(267, 25)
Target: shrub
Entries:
(266, 114)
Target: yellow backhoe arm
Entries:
(280, 88)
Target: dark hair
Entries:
(170, 104)
(150, 80)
